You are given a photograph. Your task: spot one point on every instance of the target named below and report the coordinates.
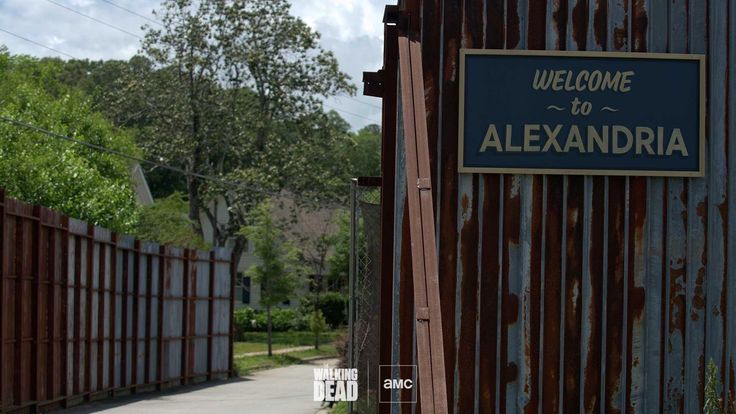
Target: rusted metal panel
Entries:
(595, 294)
(79, 310)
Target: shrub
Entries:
(287, 320)
(243, 319)
(332, 304)
(247, 319)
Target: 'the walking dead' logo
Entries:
(335, 384)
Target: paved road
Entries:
(285, 390)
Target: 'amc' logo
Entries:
(397, 384)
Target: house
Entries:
(305, 227)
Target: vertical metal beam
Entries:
(136, 305)
(185, 316)
(66, 287)
(37, 330)
(388, 172)
(113, 309)
(124, 322)
(162, 342)
(149, 305)
(351, 277)
(88, 307)
(211, 314)
(231, 336)
(101, 293)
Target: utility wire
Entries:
(132, 12)
(350, 113)
(95, 19)
(37, 44)
(236, 184)
(362, 102)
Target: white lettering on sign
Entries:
(606, 139)
(584, 80)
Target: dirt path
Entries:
(276, 351)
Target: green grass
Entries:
(340, 408)
(250, 364)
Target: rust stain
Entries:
(639, 25)
(513, 34)
(511, 372)
(699, 294)
(677, 299)
(465, 204)
(469, 298)
(537, 33)
(600, 23)
(559, 17)
(512, 308)
(580, 24)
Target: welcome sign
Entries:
(593, 113)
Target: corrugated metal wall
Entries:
(87, 314)
(570, 293)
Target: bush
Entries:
(287, 320)
(243, 322)
(332, 304)
(247, 319)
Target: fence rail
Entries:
(87, 313)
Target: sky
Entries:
(352, 29)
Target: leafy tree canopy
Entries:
(166, 222)
(81, 182)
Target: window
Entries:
(245, 290)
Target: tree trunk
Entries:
(237, 252)
(316, 341)
(268, 328)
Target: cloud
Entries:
(352, 29)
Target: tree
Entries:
(365, 154)
(279, 271)
(234, 90)
(81, 182)
(317, 324)
(166, 222)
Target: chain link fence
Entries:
(364, 308)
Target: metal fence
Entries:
(364, 305)
(575, 294)
(88, 314)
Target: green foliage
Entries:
(233, 89)
(279, 271)
(365, 154)
(332, 305)
(81, 182)
(339, 261)
(247, 319)
(166, 222)
(713, 402)
(317, 325)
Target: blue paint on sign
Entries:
(581, 113)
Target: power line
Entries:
(236, 184)
(361, 102)
(95, 19)
(350, 113)
(37, 44)
(132, 12)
